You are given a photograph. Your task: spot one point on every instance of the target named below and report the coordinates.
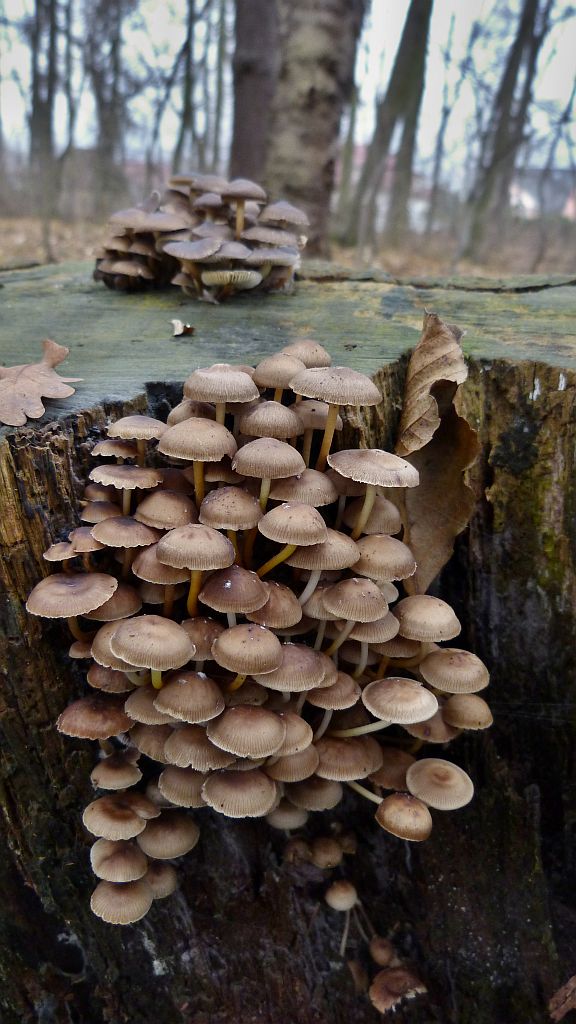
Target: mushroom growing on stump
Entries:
(293, 526)
(267, 459)
(375, 468)
(239, 191)
(153, 642)
(68, 595)
(140, 429)
(199, 441)
(197, 548)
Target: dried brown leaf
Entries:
(22, 388)
(563, 1000)
(179, 327)
(435, 370)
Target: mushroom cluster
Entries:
(209, 236)
(238, 584)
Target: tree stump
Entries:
(484, 909)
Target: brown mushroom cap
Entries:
(124, 532)
(270, 419)
(140, 707)
(280, 610)
(345, 759)
(344, 693)
(439, 783)
(399, 700)
(234, 589)
(125, 601)
(277, 371)
(248, 649)
(117, 771)
(146, 566)
(374, 466)
(165, 510)
(230, 508)
(315, 794)
(248, 731)
(171, 835)
(454, 671)
(190, 697)
(392, 772)
(292, 523)
(96, 717)
(282, 212)
(313, 414)
(195, 547)
(237, 794)
(309, 488)
(294, 767)
(341, 895)
(384, 517)
(338, 551)
(62, 551)
(285, 816)
(268, 458)
(467, 711)
(119, 816)
(405, 816)
(355, 598)
(337, 385)
(162, 879)
(198, 439)
(202, 631)
(188, 408)
(141, 428)
(299, 669)
(95, 511)
(423, 617)
(108, 680)
(190, 747)
(151, 641)
(119, 861)
(243, 188)
(102, 652)
(121, 903)
(127, 478)
(392, 985)
(384, 558)
(65, 595)
(376, 632)
(220, 383)
(433, 730)
(151, 740)
(343, 486)
(182, 786)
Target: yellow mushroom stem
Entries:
(239, 218)
(364, 513)
(307, 444)
(249, 541)
(78, 633)
(264, 493)
(220, 412)
(156, 678)
(329, 428)
(199, 489)
(365, 792)
(231, 534)
(278, 392)
(126, 501)
(168, 606)
(193, 270)
(282, 555)
(384, 662)
(141, 457)
(195, 588)
(361, 730)
(236, 683)
(342, 636)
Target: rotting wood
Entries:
(481, 908)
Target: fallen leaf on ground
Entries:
(563, 1000)
(22, 388)
(178, 328)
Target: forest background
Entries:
(425, 135)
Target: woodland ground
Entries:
(21, 245)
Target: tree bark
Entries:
(255, 68)
(316, 79)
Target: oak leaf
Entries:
(441, 445)
(22, 388)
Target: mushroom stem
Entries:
(363, 660)
(236, 683)
(249, 541)
(329, 428)
(168, 606)
(141, 457)
(127, 562)
(198, 470)
(231, 534)
(78, 633)
(220, 412)
(87, 562)
(320, 635)
(361, 730)
(323, 724)
(365, 792)
(126, 502)
(135, 678)
(156, 679)
(231, 616)
(344, 939)
(199, 666)
(344, 634)
(340, 511)
(195, 588)
(278, 392)
(239, 218)
(364, 513)
(359, 924)
(282, 555)
(307, 445)
(106, 747)
(300, 702)
(264, 493)
(384, 662)
(310, 586)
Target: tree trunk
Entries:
(361, 220)
(486, 906)
(186, 128)
(398, 218)
(219, 91)
(255, 67)
(44, 84)
(315, 80)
